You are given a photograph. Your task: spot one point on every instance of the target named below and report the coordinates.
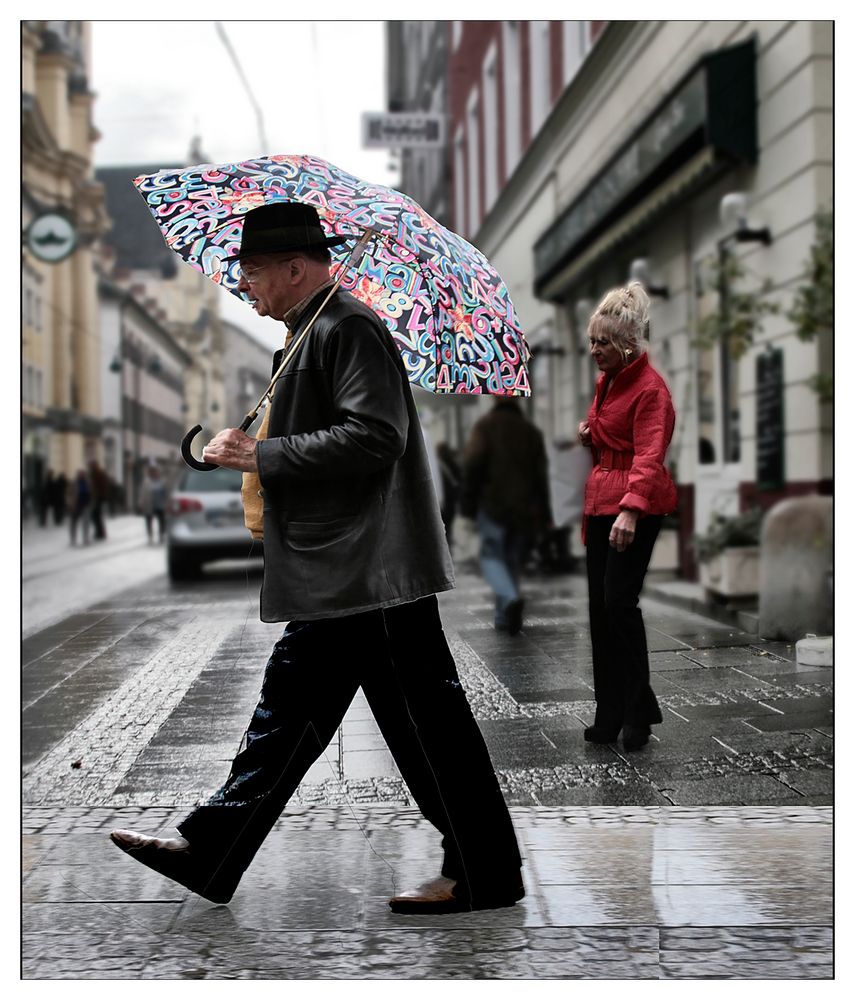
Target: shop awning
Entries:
(696, 173)
(706, 124)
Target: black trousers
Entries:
(621, 668)
(400, 658)
(98, 519)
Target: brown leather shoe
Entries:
(174, 859)
(438, 896)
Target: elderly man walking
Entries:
(354, 555)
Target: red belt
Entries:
(607, 459)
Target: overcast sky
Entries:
(160, 83)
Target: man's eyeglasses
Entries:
(252, 272)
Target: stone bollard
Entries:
(815, 651)
(795, 569)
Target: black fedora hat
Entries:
(282, 226)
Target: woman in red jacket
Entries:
(628, 429)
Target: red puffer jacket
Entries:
(631, 427)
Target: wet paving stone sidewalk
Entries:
(152, 692)
(612, 893)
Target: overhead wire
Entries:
(320, 106)
(224, 38)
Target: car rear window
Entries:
(216, 481)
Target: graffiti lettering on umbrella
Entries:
(419, 277)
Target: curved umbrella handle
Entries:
(187, 440)
(187, 455)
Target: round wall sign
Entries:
(51, 237)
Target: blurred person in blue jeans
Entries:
(153, 501)
(506, 491)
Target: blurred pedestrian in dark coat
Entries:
(449, 470)
(100, 495)
(79, 505)
(44, 496)
(629, 428)
(506, 490)
(57, 502)
(53, 497)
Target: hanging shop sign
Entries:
(402, 130)
(713, 108)
(51, 237)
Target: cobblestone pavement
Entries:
(151, 690)
(707, 854)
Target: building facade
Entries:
(504, 77)
(495, 82)
(62, 215)
(417, 80)
(695, 156)
(186, 302)
(143, 388)
(247, 372)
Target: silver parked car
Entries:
(204, 522)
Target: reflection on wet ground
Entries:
(641, 893)
(706, 854)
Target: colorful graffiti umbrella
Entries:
(446, 307)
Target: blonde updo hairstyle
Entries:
(622, 319)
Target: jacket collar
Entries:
(626, 376)
(299, 315)
(297, 312)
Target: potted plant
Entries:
(729, 555)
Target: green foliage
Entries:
(812, 313)
(737, 532)
(823, 386)
(813, 307)
(738, 323)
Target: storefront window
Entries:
(707, 304)
(730, 397)
(473, 160)
(706, 408)
(539, 72)
(719, 430)
(511, 84)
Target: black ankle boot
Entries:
(635, 737)
(601, 734)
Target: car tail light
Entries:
(183, 505)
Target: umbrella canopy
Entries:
(446, 307)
